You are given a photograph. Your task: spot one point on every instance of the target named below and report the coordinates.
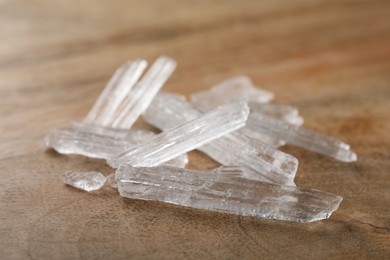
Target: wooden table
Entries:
(329, 58)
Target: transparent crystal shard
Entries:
(236, 88)
(94, 145)
(101, 142)
(87, 181)
(115, 92)
(286, 113)
(224, 193)
(186, 137)
(259, 161)
(143, 93)
(300, 136)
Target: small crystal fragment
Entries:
(87, 181)
(224, 193)
(300, 136)
(186, 137)
(259, 161)
(236, 88)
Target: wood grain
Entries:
(329, 58)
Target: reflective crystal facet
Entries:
(225, 193)
(87, 181)
(258, 160)
(186, 137)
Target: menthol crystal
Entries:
(226, 193)
(186, 137)
(258, 160)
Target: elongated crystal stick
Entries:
(185, 137)
(94, 145)
(286, 113)
(236, 88)
(132, 135)
(87, 181)
(302, 137)
(101, 142)
(116, 90)
(224, 193)
(259, 161)
(281, 123)
(143, 93)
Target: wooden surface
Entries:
(329, 58)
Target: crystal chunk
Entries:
(259, 161)
(87, 181)
(186, 137)
(224, 193)
(236, 88)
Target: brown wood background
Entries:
(329, 58)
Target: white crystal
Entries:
(186, 137)
(87, 181)
(225, 193)
(101, 142)
(258, 160)
(300, 136)
(236, 88)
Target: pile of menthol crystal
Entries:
(233, 123)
